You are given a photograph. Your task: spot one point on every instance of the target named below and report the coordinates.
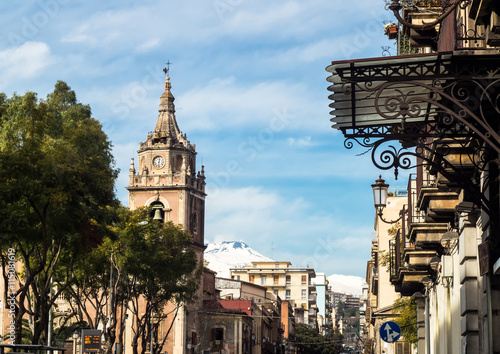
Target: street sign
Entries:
(390, 332)
(91, 340)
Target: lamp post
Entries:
(75, 338)
(380, 199)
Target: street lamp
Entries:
(380, 199)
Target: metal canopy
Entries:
(417, 96)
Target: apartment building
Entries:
(322, 300)
(436, 113)
(289, 283)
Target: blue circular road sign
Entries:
(390, 331)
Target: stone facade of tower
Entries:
(166, 176)
(166, 179)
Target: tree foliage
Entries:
(406, 308)
(60, 218)
(56, 179)
(157, 267)
(308, 340)
(144, 265)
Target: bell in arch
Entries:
(158, 215)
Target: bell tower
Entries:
(166, 176)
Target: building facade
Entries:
(289, 283)
(323, 301)
(439, 102)
(166, 179)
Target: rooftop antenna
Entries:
(166, 70)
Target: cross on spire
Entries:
(165, 70)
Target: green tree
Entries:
(158, 267)
(56, 179)
(96, 277)
(308, 340)
(406, 308)
(151, 264)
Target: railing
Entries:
(396, 246)
(411, 215)
(411, 3)
(415, 184)
(29, 348)
(469, 35)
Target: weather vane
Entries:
(165, 70)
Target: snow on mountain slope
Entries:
(236, 254)
(348, 284)
(230, 254)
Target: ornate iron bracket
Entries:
(395, 6)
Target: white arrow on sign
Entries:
(390, 333)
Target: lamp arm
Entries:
(380, 215)
(425, 25)
(389, 222)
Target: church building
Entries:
(166, 180)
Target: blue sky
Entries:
(250, 86)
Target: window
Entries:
(403, 348)
(304, 279)
(237, 277)
(217, 338)
(252, 278)
(276, 292)
(264, 279)
(277, 265)
(287, 295)
(276, 279)
(304, 293)
(288, 279)
(177, 163)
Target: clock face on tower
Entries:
(158, 161)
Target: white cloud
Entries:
(148, 45)
(260, 217)
(25, 61)
(226, 103)
(300, 142)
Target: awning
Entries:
(383, 91)
(414, 96)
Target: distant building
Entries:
(336, 297)
(290, 284)
(351, 302)
(322, 300)
(266, 329)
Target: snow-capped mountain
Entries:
(347, 284)
(231, 254)
(236, 254)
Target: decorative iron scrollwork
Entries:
(393, 158)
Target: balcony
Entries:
(418, 259)
(409, 264)
(437, 204)
(458, 160)
(408, 282)
(427, 235)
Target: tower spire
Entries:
(166, 126)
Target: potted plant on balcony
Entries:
(391, 30)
